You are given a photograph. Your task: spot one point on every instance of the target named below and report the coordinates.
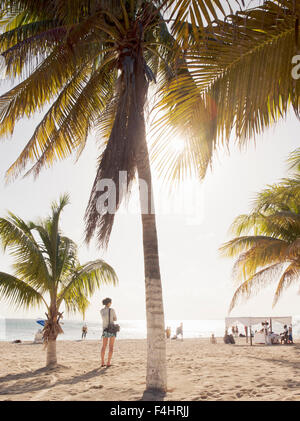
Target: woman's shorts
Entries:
(108, 335)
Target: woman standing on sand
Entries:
(108, 317)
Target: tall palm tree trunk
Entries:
(156, 346)
(51, 331)
(51, 353)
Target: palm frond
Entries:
(183, 114)
(45, 83)
(254, 284)
(54, 236)
(264, 253)
(274, 243)
(120, 154)
(24, 55)
(198, 14)
(284, 196)
(85, 279)
(67, 259)
(244, 65)
(65, 127)
(294, 161)
(18, 293)
(16, 236)
(290, 275)
(284, 224)
(240, 244)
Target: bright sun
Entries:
(177, 144)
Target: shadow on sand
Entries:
(33, 381)
(152, 395)
(44, 379)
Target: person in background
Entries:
(246, 333)
(290, 334)
(266, 333)
(233, 330)
(236, 332)
(84, 331)
(284, 335)
(228, 339)
(38, 339)
(168, 332)
(107, 335)
(213, 340)
(179, 331)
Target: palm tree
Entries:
(47, 271)
(94, 61)
(267, 245)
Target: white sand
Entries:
(197, 370)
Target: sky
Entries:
(192, 224)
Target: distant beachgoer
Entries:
(168, 332)
(290, 333)
(266, 333)
(233, 330)
(228, 339)
(38, 339)
(246, 333)
(213, 340)
(179, 331)
(284, 335)
(84, 331)
(107, 335)
(236, 331)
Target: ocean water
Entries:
(25, 329)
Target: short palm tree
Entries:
(47, 271)
(271, 250)
(94, 61)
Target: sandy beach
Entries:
(197, 370)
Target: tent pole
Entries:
(271, 329)
(250, 335)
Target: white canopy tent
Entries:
(251, 321)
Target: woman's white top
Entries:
(105, 319)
